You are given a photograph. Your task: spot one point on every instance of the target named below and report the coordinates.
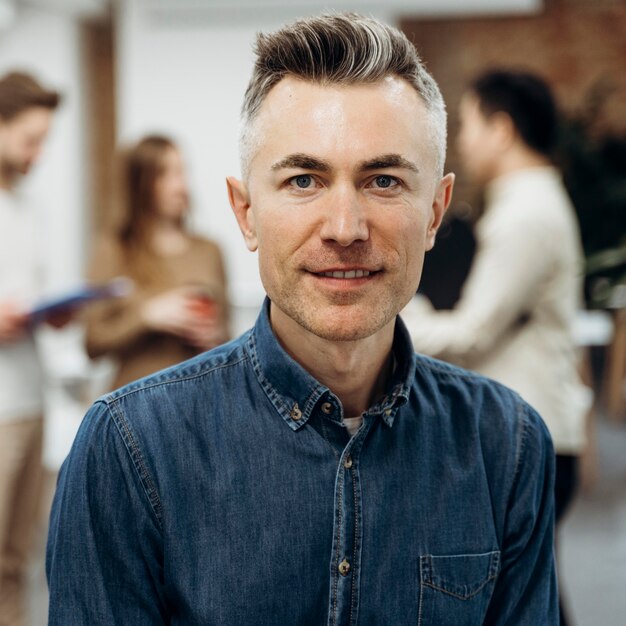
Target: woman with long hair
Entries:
(178, 305)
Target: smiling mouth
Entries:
(347, 274)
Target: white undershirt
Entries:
(353, 424)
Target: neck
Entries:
(167, 236)
(519, 158)
(357, 372)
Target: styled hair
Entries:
(19, 92)
(526, 99)
(338, 49)
(141, 166)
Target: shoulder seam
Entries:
(137, 461)
(110, 401)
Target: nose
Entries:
(345, 220)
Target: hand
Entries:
(170, 312)
(13, 322)
(60, 318)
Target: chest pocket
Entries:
(455, 590)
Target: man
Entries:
(315, 471)
(26, 109)
(514, 319)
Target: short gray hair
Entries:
(338, 48)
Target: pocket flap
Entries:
(462, 575)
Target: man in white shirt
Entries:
(26, 110)
(514, 317)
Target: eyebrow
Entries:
(309, 162)
(388, 160)
(302, 161)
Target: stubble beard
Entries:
(350, 320)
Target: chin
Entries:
(347, 324)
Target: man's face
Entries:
(342, 201)
(479, 141)
(21, 139)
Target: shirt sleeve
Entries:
(115, 324)
(104, 555)
(526, 589)
(513, 259)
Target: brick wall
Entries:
(573, 44)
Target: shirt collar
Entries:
(297, 396)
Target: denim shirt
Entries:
(227, 491)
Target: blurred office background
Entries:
(180, 67)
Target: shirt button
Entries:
(344, 568)
(347, 462)
(327, 408)
(296, 413)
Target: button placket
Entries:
(347, 540)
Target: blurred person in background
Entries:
(513, 321)
(178, 307)
(26, 110)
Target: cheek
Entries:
(467, 143)
(271, 243)
(406, 237)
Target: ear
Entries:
(441, 202)
(239, 199)
(503, 129)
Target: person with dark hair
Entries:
(26, 110)
(178, 307)
(514, 319)
(316, 470)
(526, 99)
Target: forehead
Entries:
(171, 157)
(31, 120)
(344, 123)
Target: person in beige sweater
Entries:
(178, 306)
(514, 319)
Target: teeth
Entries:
(348, 274)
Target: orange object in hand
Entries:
(203, 306)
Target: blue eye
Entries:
(384, 182)
(304, 181)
